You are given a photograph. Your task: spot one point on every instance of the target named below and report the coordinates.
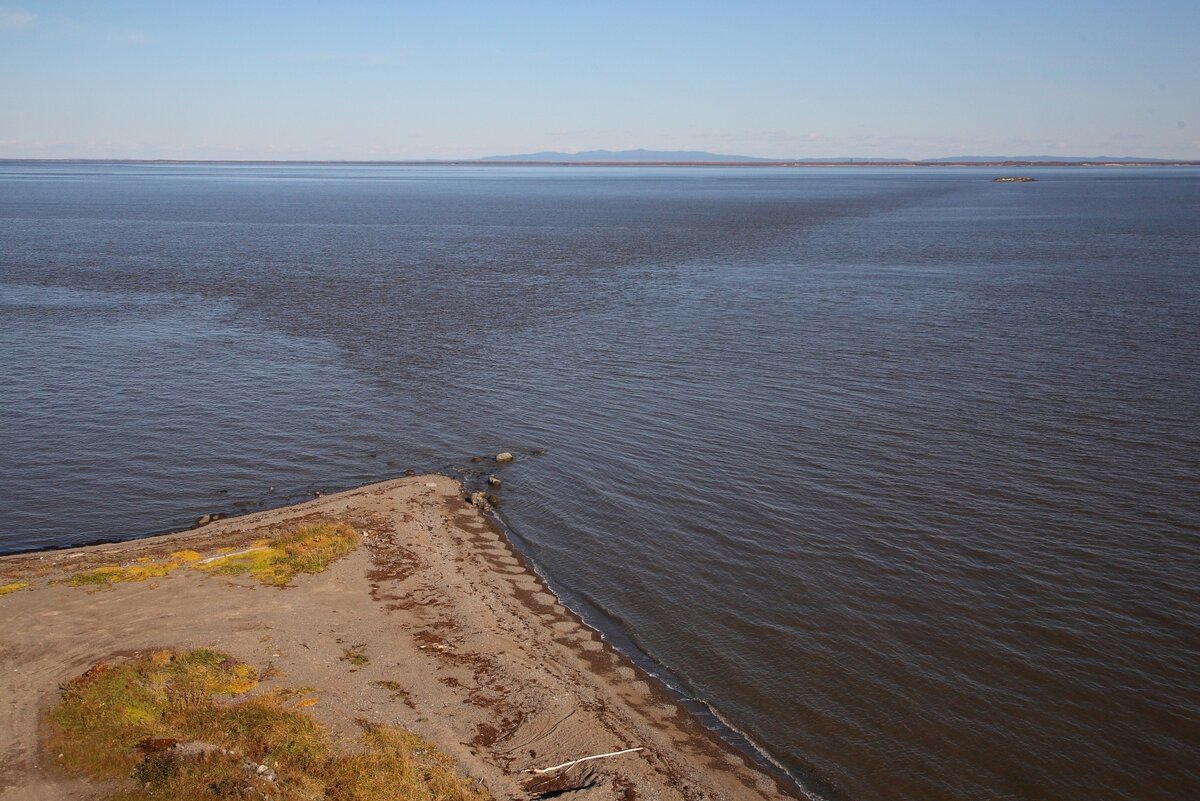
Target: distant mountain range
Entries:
(672, 156)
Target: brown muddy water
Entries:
(898, 472)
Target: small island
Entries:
(1014, 179)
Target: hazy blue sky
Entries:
(464, 79)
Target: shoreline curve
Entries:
(465, 644)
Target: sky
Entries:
(455, 80)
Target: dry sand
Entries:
(488, 664)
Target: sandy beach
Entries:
(433, 624)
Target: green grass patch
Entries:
(16, 586)
(355, 655)
(173, 723)
(308, 550)
(107, 711)
(140, 570)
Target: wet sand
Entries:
(464, 645)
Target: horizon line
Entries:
(492, 161)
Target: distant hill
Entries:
(627, 155)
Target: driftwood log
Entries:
(561, 779)
(568, 781)
(574, 762)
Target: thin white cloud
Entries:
(369, 58)
(11, 19)
(100, 32)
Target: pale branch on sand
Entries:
(584, 759)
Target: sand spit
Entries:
(433, 624)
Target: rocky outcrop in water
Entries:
(1014, 179)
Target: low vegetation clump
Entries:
(141, 569)
(394, 687)
(159, 719)
(308, 550)
(355, 655)
(16, 586)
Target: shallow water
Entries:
(898, 470)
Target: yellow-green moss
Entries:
(16, 586)
(97, 576)
(142, 568)
(308, 550)
(123, 721)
